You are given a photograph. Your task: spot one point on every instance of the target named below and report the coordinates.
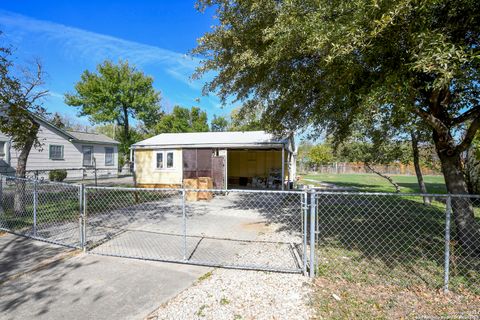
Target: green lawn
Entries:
(374, 183)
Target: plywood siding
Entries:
(148, 174)
(254, 163)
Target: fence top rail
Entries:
(130, 188)
(41, 181)
(196, 190)
(395, 194)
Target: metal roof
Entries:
(91, 137)
(233, 139)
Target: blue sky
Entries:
(72, 36)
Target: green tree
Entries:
(321, 154)
(117, 93)
(303, 158)
(183, 120)
(21, 94)
(330, 63)
(219, 124)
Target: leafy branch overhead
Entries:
(329, 65)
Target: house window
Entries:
(109, 157)
(160, 160)
(55, 152)
(2, 150)
(87, 156)
(169, 160)
(164, 160)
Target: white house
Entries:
(63, 149)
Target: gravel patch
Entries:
(242, 294)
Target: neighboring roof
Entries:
(91, 137)
(234, 139)
(75, 136)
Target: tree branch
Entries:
(469, 135)
(467, 115)
(393, 183)
(433, 121)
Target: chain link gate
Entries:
(247, 229)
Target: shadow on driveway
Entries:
(83, 286)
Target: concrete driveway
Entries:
(44, 281)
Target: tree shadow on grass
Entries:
(396, 232)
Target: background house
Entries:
(63, 149)
(252, 159)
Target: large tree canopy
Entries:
(329, 64)
(183, 120)
(117, 93)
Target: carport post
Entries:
(184, 214)
(313, 211)
(34, 208)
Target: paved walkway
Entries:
(43, 281)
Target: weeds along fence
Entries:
(377, 238)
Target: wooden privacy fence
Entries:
(354, 167)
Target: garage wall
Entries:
(254, 163)
(148, 175)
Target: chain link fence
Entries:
(399, 239)
(41, 210)
(390, 239)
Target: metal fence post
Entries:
(81, 222)
(1, 192)
(305, 230)
(35, 208)
(448, 213)
(313, 210)
(184, 214)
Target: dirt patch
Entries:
(259, 227)
(342, 299)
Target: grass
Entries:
(374, 183)
(383, 256)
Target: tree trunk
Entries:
(20, 192)
(418, 169)
(393, 183)
(468, 230)
(126, 134)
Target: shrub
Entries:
(57, 175)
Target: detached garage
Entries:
(253, 159)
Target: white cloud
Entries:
(77, 43)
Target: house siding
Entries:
(39, 159)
